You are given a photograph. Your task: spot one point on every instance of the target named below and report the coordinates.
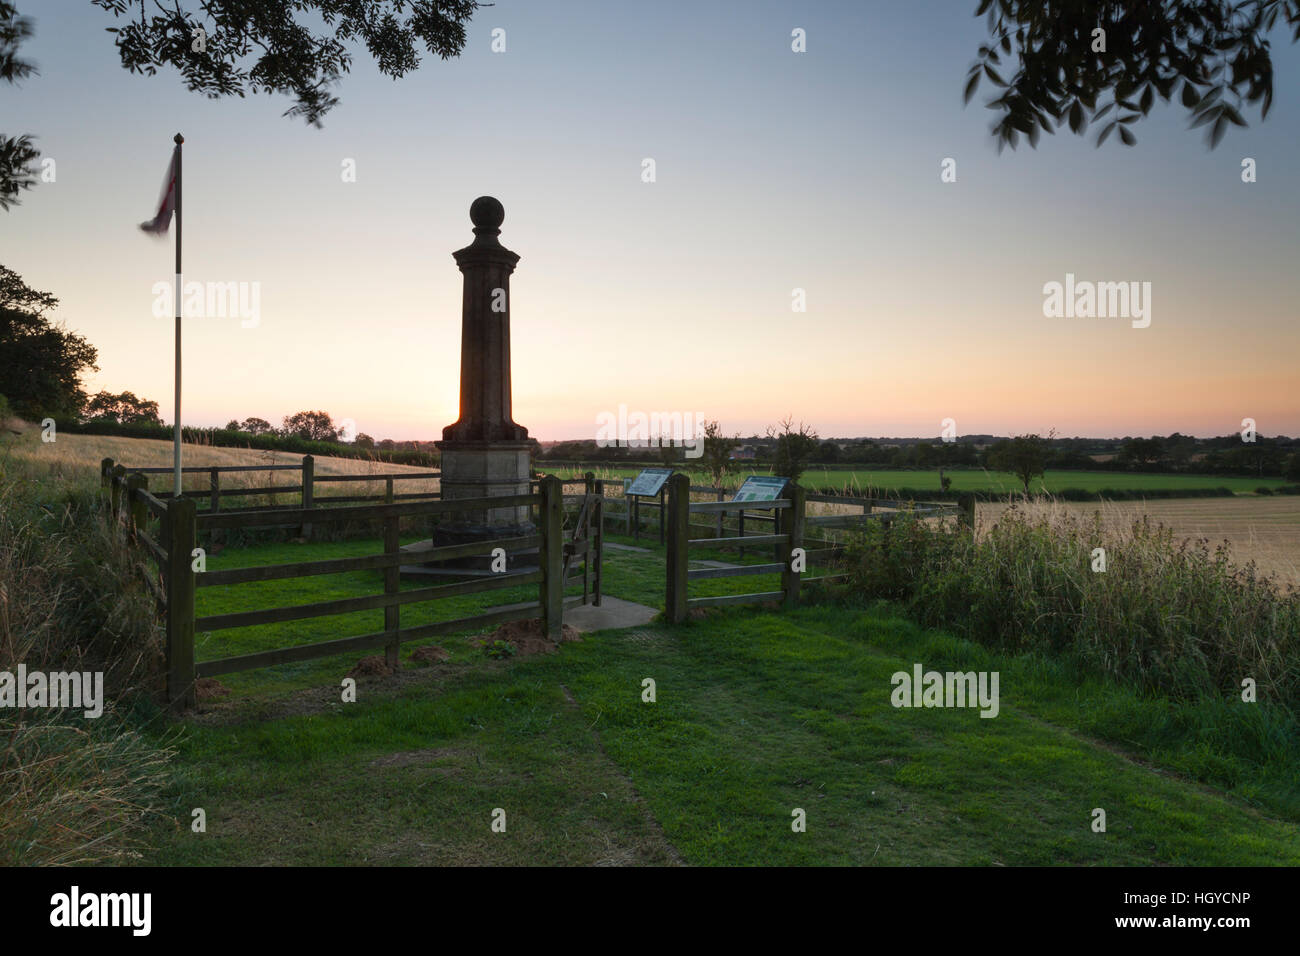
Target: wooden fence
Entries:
(759, 514)
(167, 530)
(790, 527)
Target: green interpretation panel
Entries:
(761, 488)
(649, 482)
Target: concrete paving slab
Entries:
(613, 612)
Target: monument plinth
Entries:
(484, 453)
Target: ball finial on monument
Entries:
(487, 214)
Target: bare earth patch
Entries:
(373, 666)
(430, 654)
(526, 637)
(209, 688)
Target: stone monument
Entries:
(484, 453)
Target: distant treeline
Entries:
(1277, 457)
(270, 441)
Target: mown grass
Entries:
(757, 714)
(632, 575)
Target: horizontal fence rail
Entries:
(174, 577)
(789, 521)
(237, 519)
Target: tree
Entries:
(124, 408)
(794, 448)
(1142, 451)
(232, 47)
(364, 441)
(227, 47)
(716, 459)
(313, 426)
(829, 452)
(1025, 456)
(1214, 54)
(1292, 471)
(16, 152)
(256, 426)
(41, 364)
(668, 454)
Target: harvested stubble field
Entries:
(72, 453)
(1259, 528)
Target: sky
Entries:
(774, 171)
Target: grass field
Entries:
(881, 482)
(757, 715)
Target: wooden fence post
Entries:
(106, 481)
(777, 552)
(793, 526)
(137, 510)
(308, 490)
(679, 533)
(214, 500)
(180, 533)
(740, 524)
(589, 507)
(119, 483)
(663, 510)
(551, 526)
(392, 583)
(966, 512)
(600, 541)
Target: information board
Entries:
(650, 482)
(761, 488)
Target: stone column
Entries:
(484, 453)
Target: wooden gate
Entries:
(585, 540)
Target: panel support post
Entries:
(792, 524)
(679, 517)
(552, 557)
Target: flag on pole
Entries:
(168, 203)
(159, 224)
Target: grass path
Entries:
(757, 714)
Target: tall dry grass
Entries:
(1177, 617)
(74, 790)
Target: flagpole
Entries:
(176, 440)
